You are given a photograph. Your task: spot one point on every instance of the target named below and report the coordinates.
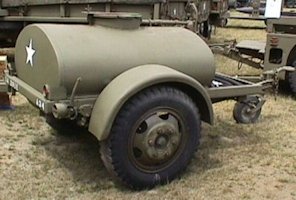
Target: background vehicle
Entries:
(219, 12)
(14, 15)
(255, 9)
(278, 51)
(232, 3)
(281, 47)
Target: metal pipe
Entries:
(60, 110)
(74, 90)
(164, 22)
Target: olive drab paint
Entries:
(48, 54)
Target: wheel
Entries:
(223, 22)
(292, 81)
(205, 29)
(153, 138)
(244, 111)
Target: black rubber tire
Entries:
(205, 29)
(241, 114)
(114, 150)
(292, 81)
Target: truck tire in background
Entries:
(206, 29)
(153, 138)
(292, 80)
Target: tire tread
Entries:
(106, 146)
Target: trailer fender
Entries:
(127, 84)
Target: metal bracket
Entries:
(272, 77)
(257, 106)
(74, 90)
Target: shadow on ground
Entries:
(221, 137)
(78, 152)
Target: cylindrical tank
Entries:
(56, 55)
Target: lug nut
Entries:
(174, 142)
(159, 131)
(170, 130)
(150, 142)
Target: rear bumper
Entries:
(34, 96)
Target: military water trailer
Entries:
(141, 90)
(16, 14)
(144, 85)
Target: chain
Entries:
(276, 84)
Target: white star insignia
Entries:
(30, 53)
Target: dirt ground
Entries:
(234, 161)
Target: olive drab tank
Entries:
(57, 55)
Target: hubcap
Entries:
(248, 112)
(156, 140)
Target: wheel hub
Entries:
(162, 142)
(157, 140)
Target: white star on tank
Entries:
(30, 53)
